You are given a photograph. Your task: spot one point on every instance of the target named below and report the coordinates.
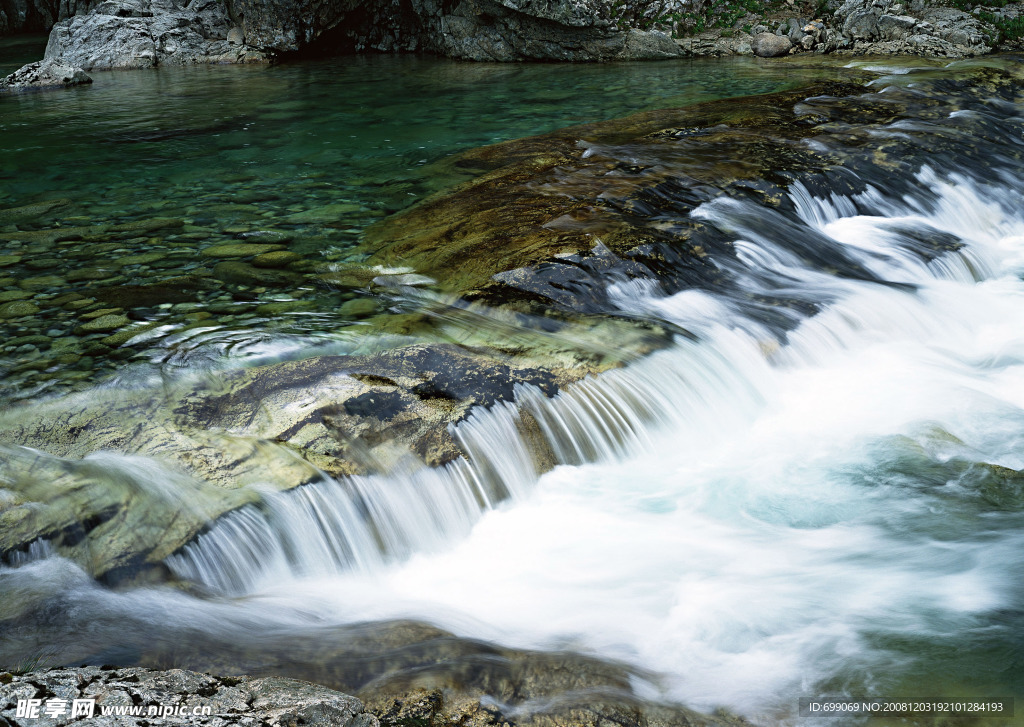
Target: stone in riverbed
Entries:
(45, 74)
(239, 250)
(110, 322)
(285, 306)
(9, 295)
(40, 282)
(278, 259)
(245, 274)
(266, 237)
(769, 45)
(17, 309)
(359, 308)
(327, 213)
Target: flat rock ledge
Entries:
(150, 698)
(46, 74)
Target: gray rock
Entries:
(169, 698)
(147, 33)
(44, 74)
(769, 45)
(886, 27)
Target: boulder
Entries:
(148, 33)
(44, 74)
(891, 27)
(769, 45)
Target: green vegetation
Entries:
(1008, 29)
(700, 15)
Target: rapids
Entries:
(774, 507)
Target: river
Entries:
(825, 501)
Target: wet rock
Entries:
(326, 214)
(30, 212)
(45, 74)
(769, 45)
(275, 259)
(266, 237)
(17, 309)
(109, 322)
(241, 250)
(287, 306)
(358, 308)
(9, 295)
(245, 274)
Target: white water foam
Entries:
(724, 514)
(722, 518)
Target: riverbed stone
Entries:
(109, 322)
(41, 281)
(18, 309)
(275, 259)
(241, 250)
(358, 308)
(9, 295)
(266, 237)
(325, 214)
(245, 274)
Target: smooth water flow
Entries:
(757, 513)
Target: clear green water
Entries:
(213, 152)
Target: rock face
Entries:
(176, 697)
(42, 75)
(915, 27)
(143, 33)
(483, 30)
(147, 33)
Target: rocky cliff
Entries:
(146, 33)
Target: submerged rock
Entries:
(44, 74)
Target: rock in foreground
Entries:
(44, 74)
(146, 697)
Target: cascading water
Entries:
(759, 512)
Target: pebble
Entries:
(239, 250)
(140, 259)
(8, 295)
(43, 281)
(104, 323)
(100, 313)
(266, 237)
(358, 308)
(284, 306)
(327, 213)
(7, 260)
(17, 309)
(276, 259)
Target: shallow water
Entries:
(758, 513)
(212, 152)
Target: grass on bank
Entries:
(685, 17)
